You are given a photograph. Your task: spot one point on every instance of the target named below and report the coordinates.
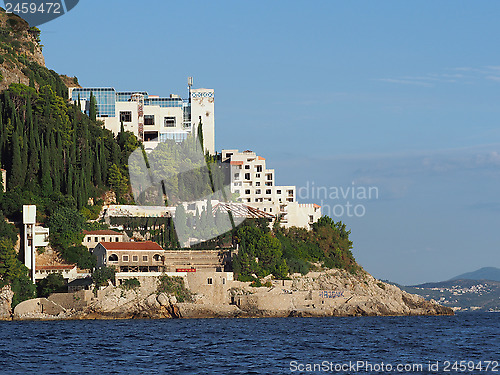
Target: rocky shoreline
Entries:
(317, 294)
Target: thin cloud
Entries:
(404, 82)
(466, 75)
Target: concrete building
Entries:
(34, 237)
(130, 256)
(93, 237)
(151, 118)
(256, 186)
(68, 271)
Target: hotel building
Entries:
(151, 118)
(256, 187)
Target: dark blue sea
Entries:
(361, 345)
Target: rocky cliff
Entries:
(317, 294)
(6, 295)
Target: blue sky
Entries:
(403, 96)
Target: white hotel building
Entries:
(151, 118)
(256, 187)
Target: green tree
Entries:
(92, 107)
(101, 275)
(53, 283)
(117, 181)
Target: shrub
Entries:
(175, 286)
(130, 284)
(101, 275)
(53, 283)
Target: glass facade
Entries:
(124, 96)
(164, 102)
(105, 99)
(176, 136)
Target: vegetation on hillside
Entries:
(284, 251)
(55, 156)
(174, 286)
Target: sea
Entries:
(467, 343)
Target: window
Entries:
(126, 116)
(257, 191)
(257, 175)
(88, 239)
(117, 239)
(124, 258)
(257, 183)
(311, 218)
(157, 257)
(259, 168)
(236, 191)
(270, 210)
(149, 119)
(96, 239)
(103, 239)
(247, 167)
(223, 280)
(269, 176)
(236, 176)
(209, 281)
(278, 191)
(247, 176)
(268, 191)
(113, 258)
(150, 136)
(144, 258)
(290, 193)
(135, 258)
(269, 184)
(247, 191)
(169, 122)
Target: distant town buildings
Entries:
(151, 118)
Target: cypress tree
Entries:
(200, 135)
(93, 107)
(97, 171)
(33, 163)
(16, 165)
(46, 178)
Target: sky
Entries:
(400, 97)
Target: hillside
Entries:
(20, 48)
(485, 273)
(55, 157)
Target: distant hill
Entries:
(486, 273)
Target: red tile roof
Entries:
(57, 267)
(236, 162)
(317, 205)
(147, 245)
(103, 232)
(260, 158)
